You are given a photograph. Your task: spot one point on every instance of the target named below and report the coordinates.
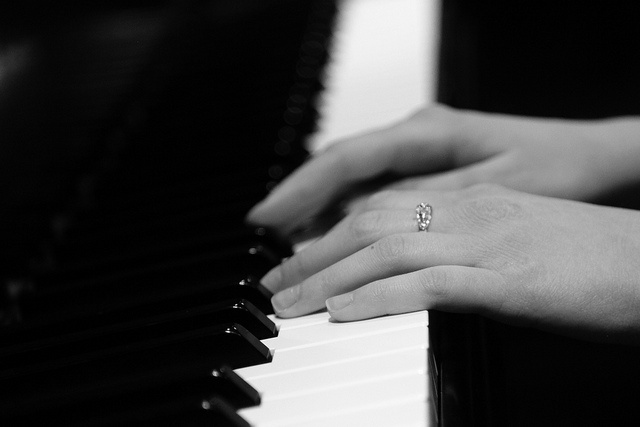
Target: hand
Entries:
(527, 260)
(440, 148)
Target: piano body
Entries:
(134, 137)
(541, 59)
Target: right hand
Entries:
(522, 259)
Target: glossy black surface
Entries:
(549, 59)
(121, 332)
(201, 350)
(142, 396)
(136, 135)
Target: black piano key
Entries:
(96, 404)
(176, 412)
(66, 319)
(200, 350)
(101, 259)
(191, 128)
(131, 331)
(205, 413)
(250, 289)
(223, 412)
(109, 296)
(66, 294)
(234, 389)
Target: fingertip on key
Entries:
(284, 300)
(339, 302)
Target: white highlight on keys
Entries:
(341, 374)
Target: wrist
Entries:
(618, 147)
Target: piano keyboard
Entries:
(372, 372)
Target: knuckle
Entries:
(326, 284)
(488, 210)
(434, 283)
(388, 294)
(391, 249)
(379, 292)
(484, 188)
(293, 269)
(365, 226)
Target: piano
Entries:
(132, 294)
(136, 135)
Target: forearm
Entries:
(575, 159)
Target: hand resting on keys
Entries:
(526, 255)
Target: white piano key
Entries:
(300, 410)
(409, 413)
(323, 379)
(314, 334)
(316, 360)
(297, 322)
(308, 353)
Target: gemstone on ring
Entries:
(423, 216)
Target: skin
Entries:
(525, 255)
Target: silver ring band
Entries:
(423, 216)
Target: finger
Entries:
(354, 232)
(407, 199)
(319, 182)
(496, 170)
(451, 288)
(390, 256)
(396, 200)
(350, 235)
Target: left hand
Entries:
(523, 259)
(441, 148)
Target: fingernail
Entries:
(285, 299)
(272, 279)
(339, 302)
